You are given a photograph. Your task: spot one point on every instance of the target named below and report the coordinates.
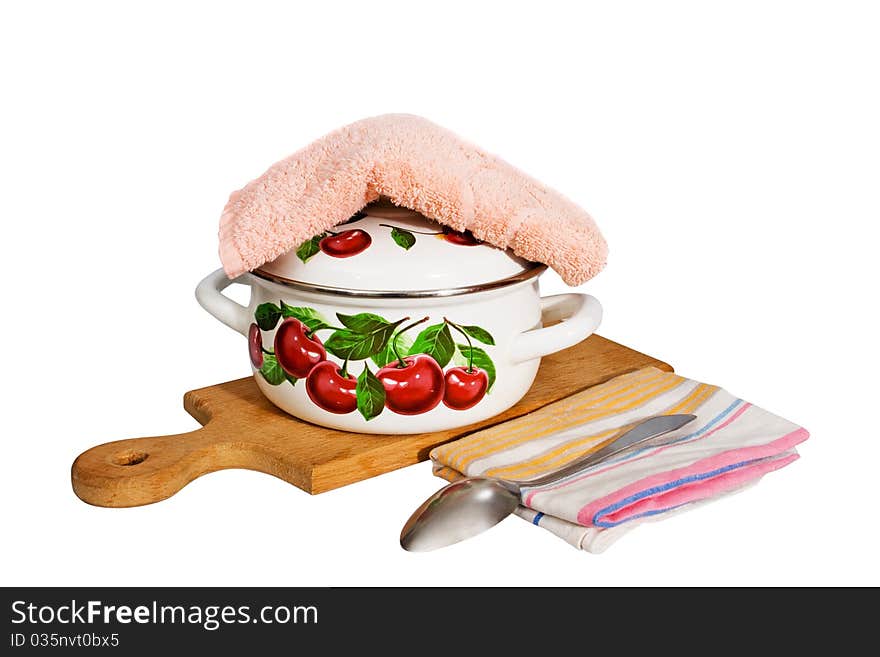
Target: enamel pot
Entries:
(393, 324)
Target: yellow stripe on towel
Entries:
(569, 451)
(694, 400)
(547, 461)
(447, 473)
(597, 403)
(635, 399)
(607, 399)
(526, 425)
(619, 395)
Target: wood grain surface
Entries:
(242, 429)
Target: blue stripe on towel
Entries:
(661, 489)
(537, 518)
(695, 434)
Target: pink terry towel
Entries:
(417, 165)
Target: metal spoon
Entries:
(472, 505)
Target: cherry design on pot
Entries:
(410, 379)
(465, 238)
(406, 238)
(255, 346)
(297, 349)
(465, 387)
(353, 241)
(345, 244)
(413, 384)
(332, 388)
(338, 245)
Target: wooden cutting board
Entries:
(242, 429)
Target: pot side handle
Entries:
(578, 316)
(208, 294)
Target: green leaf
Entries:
(370, 394)
(314, 320)
(272, 371)
(435, 341)
(310, 247)
(363, 322)
(267, 316)
(481, 360)
(350, 345)
(479, 334)
(404, 342)
(403, 238)
(290, 378)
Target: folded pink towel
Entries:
(417, 165)
(731, 444)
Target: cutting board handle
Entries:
(140, 471)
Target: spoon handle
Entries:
(628, 439)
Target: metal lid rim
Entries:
(536, 269)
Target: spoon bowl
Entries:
(462, 509)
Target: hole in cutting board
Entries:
(130, 458)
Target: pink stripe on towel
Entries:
(694, 490)
(647, 453)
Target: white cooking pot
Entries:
(392, 324)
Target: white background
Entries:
(730, 152)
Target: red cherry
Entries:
(297, 352)
(330, 390)
(255, 346)
(345, 244)
(464, 239)
(465, 389)
(414, 389)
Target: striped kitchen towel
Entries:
(730, 445)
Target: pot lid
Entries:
(388, 248)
